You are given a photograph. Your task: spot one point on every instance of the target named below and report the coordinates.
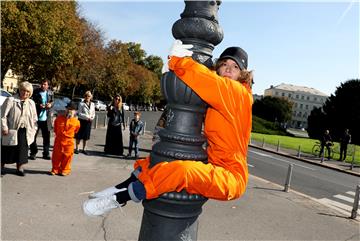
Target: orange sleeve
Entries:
(215, 90)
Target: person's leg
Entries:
(77, 146)
(345, 152)
(136, 148)
(329, 151)
(84, 147)
(341, 152)
(130, 145)
(56, 158)
(46, 139)
(68, 152)
(33, 146)
(208, 180)
(321, 150)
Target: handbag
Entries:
(10, 139)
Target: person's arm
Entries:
(215, 90)
(123, 117)
(81, 113)
(5, 109)
(92, 111)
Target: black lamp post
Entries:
(173, 216)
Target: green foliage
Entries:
(273, 109)
(339, 112)
(37, 37)
(266, 127)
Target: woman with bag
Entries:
(18, 128)
(114, 141)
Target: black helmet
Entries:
(237, 54)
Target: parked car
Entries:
(100, 105)
(4, 95)
(126, 106)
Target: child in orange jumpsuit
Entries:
(65, 127)
(227, 129)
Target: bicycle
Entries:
(317, 147)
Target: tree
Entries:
(273, 109)
(136, 53)
(340, 111)
(37, 37)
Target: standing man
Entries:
(344, 141)
(326, 141)
(44, 100)
(136, 128)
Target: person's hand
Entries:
(5, 132)
(178, 49)
(48, 105)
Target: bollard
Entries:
(288, 178)
(143, 132)
(278, 146)
(96, 121)
(353, 158)
(299, 152)
(263, 142)
(105, 120)
(356, 203)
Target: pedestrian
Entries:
(65, 127)
(326, 141)
(18, 128)
(344, 141)
(227, 91)
(136, 128)
(86, 114)
(44, 100)
(114, 139)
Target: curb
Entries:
(306, 160)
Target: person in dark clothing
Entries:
(344, 141)
(114, 140)
(326, 141)
(136, 128)
(44, 101)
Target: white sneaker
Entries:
(106, 192)
(99, 206)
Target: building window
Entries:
(315, 99)
(301, 106)
(302, 97)
(276, 93)
(289, 95)
(297, 96)
(307, 107)
(308, 98)
(295, 105)
(283, 94)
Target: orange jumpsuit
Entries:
(65, 129)
(227, 129)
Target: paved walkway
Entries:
(43, 207)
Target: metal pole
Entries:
(299, 152)
(278, 146)
(356, 203)
(105, 121)
(288, 178)
(96, 121)
(173, 216)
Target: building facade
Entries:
(304, 100)
(10, 82)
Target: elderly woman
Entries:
(18, 128)
(114, 141)
(86, 114)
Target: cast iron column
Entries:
(173, 216)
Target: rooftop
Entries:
(295, 88)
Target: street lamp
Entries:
(173, 216)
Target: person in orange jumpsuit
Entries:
(227, 129)
(65, 127)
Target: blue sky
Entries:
(300, 43)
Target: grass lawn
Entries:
(305, 143)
